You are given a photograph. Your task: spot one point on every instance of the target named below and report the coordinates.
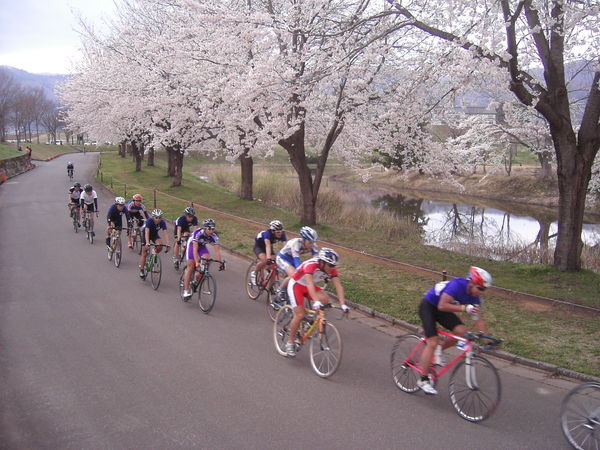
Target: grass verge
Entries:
(553, 335)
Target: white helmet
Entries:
(308, 234)
(275, 225)
(480, 277)
(328, 256)
(119, 201)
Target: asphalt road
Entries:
(92, 357)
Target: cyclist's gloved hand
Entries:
(317, 305)
(222, 266)
(345, 308)
(469, 309)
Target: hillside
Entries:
(45, 80)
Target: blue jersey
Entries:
(456, 288)
(115, 216)
(269, 236)
(184, 224)
(154, 228)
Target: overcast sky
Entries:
(39, 35)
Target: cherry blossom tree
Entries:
(519, 36)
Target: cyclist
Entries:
(288, 258)
(183, 226)
(74, 196)
(303, 284)
(196, 250)
(263, 245)
(114, 217)
(70, 168)
(440, 305)
(150, 233)
(88, 202)
(137, 211)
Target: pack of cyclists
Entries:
(303, 281)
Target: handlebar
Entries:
(491, 343)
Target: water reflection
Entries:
(481, 231)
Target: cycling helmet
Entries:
(156, 214)
(189, 211)
(138, 197)
(480, 277)
(88, 188)
(275, 225)
(119, 201)
(308, 234)
(328, 256)
(209, 223)
(69, 163)
(77, 185)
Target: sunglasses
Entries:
(481, 288)
(330, 265)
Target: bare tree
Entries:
(7, 91)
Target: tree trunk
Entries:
(150, 161)
(177, 167)
(294, 145)
(574, 175)
(137, 153)
(122, 149)
(545, 162)
(170, 161)
(247, 165)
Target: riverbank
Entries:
(523, 186)
(553, 335)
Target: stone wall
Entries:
(12, 167)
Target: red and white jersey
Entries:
(311, 266)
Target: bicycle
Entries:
(474, 396)
(114, 248)
(180, 257)
(88, 225)
(73, 215)
(153, 265)
(136, 239)
(204, 283)
(580, 416)
(267, 280)
(325, 346)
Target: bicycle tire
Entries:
(273, 308)
(138, 243)
(252, 290)
(404, 376)
(156, 272)
(110, 250)
(117, 252)
(207, 293)
(281, 328)
(475, 395)
(326, 350)
(580, 416)
(90, 236)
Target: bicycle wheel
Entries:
(580, 416)
(281, 329)
(137, 244)
(252, 290)
(326, 350)
(404, 376)
(117, 252)
(272, 304)
(90, 236)
(475, 389)
(156, 272)
(207, 293)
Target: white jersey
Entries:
(294, 248)
(88, 199)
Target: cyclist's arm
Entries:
(178, 233)
(339, 290)
(218, 251)
(95, 203)
(147, 235)
(310, 285)
(268, 248)
(446, 304)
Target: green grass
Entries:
(9, 151)
(553, 336)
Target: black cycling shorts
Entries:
(429, 315)
(258, 249)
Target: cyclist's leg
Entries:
(288, 268)
(428, 319)
(296, 294)
(144, 253)
(453, 323)
(261, 254)
(190, 266)
(108, 230)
